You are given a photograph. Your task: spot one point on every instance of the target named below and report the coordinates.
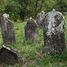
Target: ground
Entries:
(31, 53)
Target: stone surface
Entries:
(40, 17)
(54, 37)
(30, 30)
(8, 56)
(7, 28)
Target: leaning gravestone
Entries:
(7, 30)
(54, 37)
(30, 30)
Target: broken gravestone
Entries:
(30, 30)
(7, 30)
(8, 55)
(39, 19)
(54, 37)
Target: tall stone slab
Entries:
(54, 37)
(7, 28)
(30, 30)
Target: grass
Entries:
(31, 53)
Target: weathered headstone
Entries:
(54, 37)
(30, 30)
(7, 30)
(40, 17)
(8, 56)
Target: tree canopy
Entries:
(21, 9)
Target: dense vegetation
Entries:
(21, 9)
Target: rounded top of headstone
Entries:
(53, 13)
(5, 15)
(42, 12)
(53, 10)
(30, 18)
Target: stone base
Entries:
(52, 51)
(54, 44)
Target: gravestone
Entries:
(7, 30)
(54, 37)
(30, 30)
(39, 19)
(8, 55)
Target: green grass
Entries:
(31, 53)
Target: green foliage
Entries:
(21, 9)
(61, 5)
(13, 8)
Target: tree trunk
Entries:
(36, 7)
